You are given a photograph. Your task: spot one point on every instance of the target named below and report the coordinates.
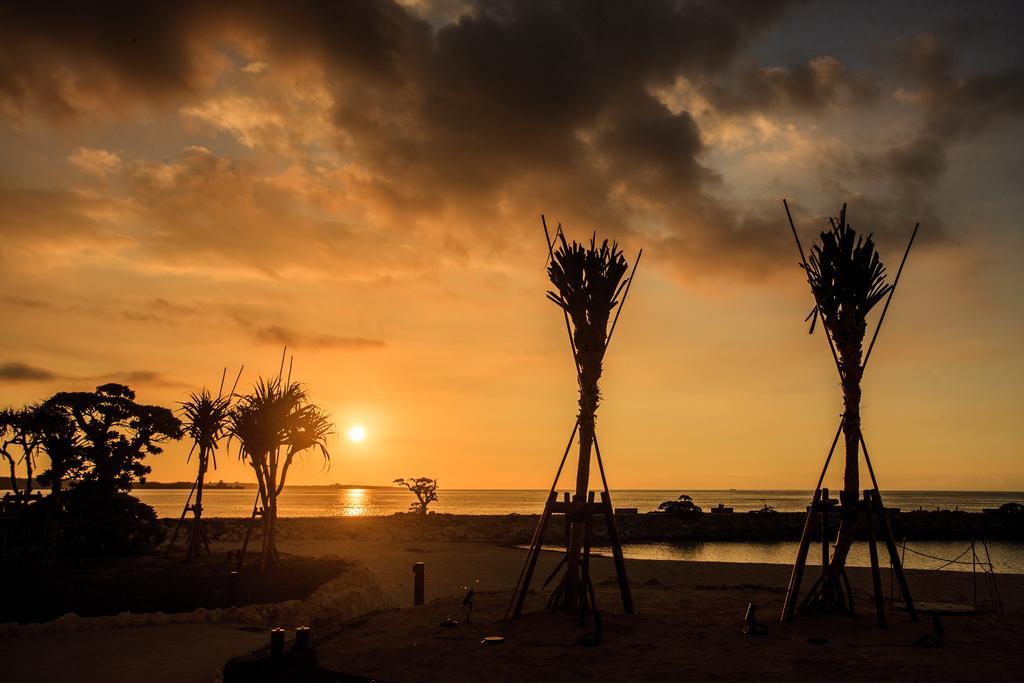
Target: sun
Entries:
(356, 433)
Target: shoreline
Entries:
(516, 529)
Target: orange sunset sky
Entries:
(187, 186)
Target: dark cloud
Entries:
(160, 310)
(510, 109)
(282, 336)
(958, 106)
(15, 371)
(26, 302)
(64, 57)
(146, 377)
(482, 114)
(809, 87)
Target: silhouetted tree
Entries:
(98, 441)
(425, 490)
(59, 439)
(206, 422)
(116, 433)
(273, 424)
(18, 445)
(848, 280)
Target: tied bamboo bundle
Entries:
(847, 279)
(588, 283)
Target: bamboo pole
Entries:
(885, 309)
(876, 577)
(796, 576)
(617, 556)
(894, 555)
(181, 519)
(828, 458)
(618, 309)
(531, 563)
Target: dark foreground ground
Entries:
(688, 626)
(106, 586)
(677, 634)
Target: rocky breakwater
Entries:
(652, 527)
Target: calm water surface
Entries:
(333, 502)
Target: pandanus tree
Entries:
(587, 284)
(847, 279)
(206, 419)
(272, 424)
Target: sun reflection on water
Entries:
(352, 503)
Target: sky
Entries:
(187, 187)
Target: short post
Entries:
(276, 643)
(417, 591)
(824, 532)
(232, 587)
(301, 639)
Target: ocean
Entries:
(1006, 557)
(315, 501)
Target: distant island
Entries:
(248, 485)
(189, 484)
(5, 485)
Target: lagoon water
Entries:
(337, 502)
(316, 501)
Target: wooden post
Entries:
(181, 520)
(248, 531)
(824, 531)
(876, 575)
(894, 556)
(789, 606)
(418, 581)
(531, 560)
(620, 560)
(232, 587)
(568, 523)
(277, 643)
(301, 639)
(585, 573)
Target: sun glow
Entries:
(356, 433)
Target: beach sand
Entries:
(688, 623)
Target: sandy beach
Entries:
(688, 623)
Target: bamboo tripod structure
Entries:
(832, 589)
(575, 591)
(196, 540)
